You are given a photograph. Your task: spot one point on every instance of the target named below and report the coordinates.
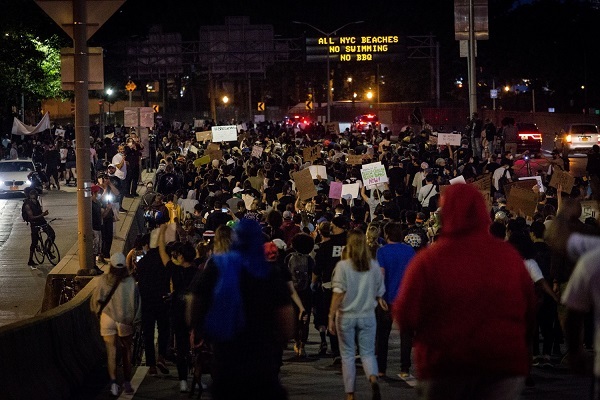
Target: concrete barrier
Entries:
(50, 355)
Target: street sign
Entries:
(156, 107)
(261, 106)
(309, 105)
(130, 86)
(95, 67)
(98, 12)
(493, 93)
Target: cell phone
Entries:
(138, 258)
(225, 209)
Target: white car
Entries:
(14, 175)
(580, 136)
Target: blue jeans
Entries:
(348, 328)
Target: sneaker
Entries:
(183, 386)
(152, 371)
(33, 267)
(98, 270)
(114, 389)
(162, 367)
(127, 389)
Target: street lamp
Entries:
(328, 35)
(109, 93)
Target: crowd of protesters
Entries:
(212, 206)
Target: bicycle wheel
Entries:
(39, 252)
(52, 252)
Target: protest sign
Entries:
(203, 136)
(458, 179)
(563, 179)
(522, 200)
(354, 159)
(333, 127)
(198, 123)
(351, 188)
(60, 132)
(373, 174)
(193, 149)
(537, 179)
(484, 184)
(318, 170)
(589, 209)
(335, 190)
(248, 199)
(311, 153)
(224, 133)
(202, 160)
(257, 151)
(304, 184)
(453, 139)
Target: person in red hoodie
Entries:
(289, 227)
(469, 301)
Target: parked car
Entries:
(15, 175)
(578, 136)
(529, 138)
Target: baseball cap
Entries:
(117, 260)
(287, 215)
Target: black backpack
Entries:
(433, 202)
(299, 266)
(24, 214)
(70, 154)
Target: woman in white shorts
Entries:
(119, 316)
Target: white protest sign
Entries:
(257, 151)
(198, 123)
(225, 133)
(373, 174)
(458, 179)
(453, 139)
(538, 180)
(318, 170)
(194, 149)
(351, 189)
(60, 132)
(146, 117)
(130, 116)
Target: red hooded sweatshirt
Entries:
(467, 297)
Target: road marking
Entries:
(140, 373)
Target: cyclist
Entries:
(35, 215)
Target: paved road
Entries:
(21, 289)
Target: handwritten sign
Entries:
(335, 190)
(562, 178)
(311, 153)
(257, 151)
(304, 184)
(484, 184)
(522, 200)
(354, 159)
(333, 127)
(453, 139)
(351, 189)
(224, 133)
(537, 179)
(318, 170)
(373, 174)
(203, 136)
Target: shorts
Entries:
(109, 327)
(70, 164)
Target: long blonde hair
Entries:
(222, 239)
(357, 250)
(372, 236)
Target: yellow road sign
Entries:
(261, 106)
(130, 86)
(155, 107)
(309, 105)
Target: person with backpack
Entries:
(426, 193)
(31, 212)
(300, 264)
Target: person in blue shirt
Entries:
(393, 258)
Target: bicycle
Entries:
(46, 246)
(68, 289)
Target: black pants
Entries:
(156, 315)
(132, 179)
(182, 342)
(35, 236)
(301, 332)
(107, 236)
(333, 339)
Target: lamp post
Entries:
(109, 93)
(328, 35)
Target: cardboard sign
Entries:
(333, 127)
(484, 184)
(352, 189)
(311, 153)
(522, 200)
(589, 209)
(335, 190)
(453, 139)
(215, 155)
(247, 200)
(203, 136)
(526, 185)
(562, 178)
(373, 174)
(225, 133)
(304, 184)
(537, 179)
(193, 149)
(257, 151)
(354, 159)
(318, 170)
